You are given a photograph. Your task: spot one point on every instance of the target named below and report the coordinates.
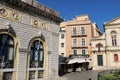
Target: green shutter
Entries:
(100, 60)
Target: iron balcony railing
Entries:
(77, 33)
(80, 56)
(79, 45)
(6, 64)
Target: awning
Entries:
(78, 60)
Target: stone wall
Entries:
(25, 31)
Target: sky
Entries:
(99, 11)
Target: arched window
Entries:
(113, 38)
(115, 57)
(6, 51)
(113, 32)
(36, 54)
(99, 45)
(7, 58)
(36, 60)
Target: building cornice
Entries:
(111, 24)
(30, 9)
(77, 24)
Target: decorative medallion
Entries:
(3, 12)
(44, 26)
(15, 16)
(35, 22)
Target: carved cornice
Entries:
(29, 9)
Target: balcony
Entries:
(79, 46)
(80, 56)
(79, 34)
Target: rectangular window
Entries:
(74, 42)
(82, 30)
(31, 75)
(100, 60)
(7, 76)
(83, 52)
(83, 41)
(114, 42)
(74, 30)
(40, 74)
(62, 36)
(75, 52)
(62, 44)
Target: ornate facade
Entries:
(29, 35)
(106, 49)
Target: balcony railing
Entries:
(79, 46)
(79, 33)
(80, 56)
(101, 49)
(34, 64)
(6, 64)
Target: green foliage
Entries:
(110, 76)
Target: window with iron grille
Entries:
(6, 51)
(36, 54)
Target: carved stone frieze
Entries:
(9, 14)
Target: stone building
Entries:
(106, 48)
(29, 35)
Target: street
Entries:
(86, 75)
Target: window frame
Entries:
(33, 48)
(74, 41)
(62, 36)
(75, 52)
(83, 41)
(6, 55)
(83, 52)
(11, 43)
(82, 30)
(62, 45)
(114, 38)
(116, 59)
(74, 29)
(36, 69)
